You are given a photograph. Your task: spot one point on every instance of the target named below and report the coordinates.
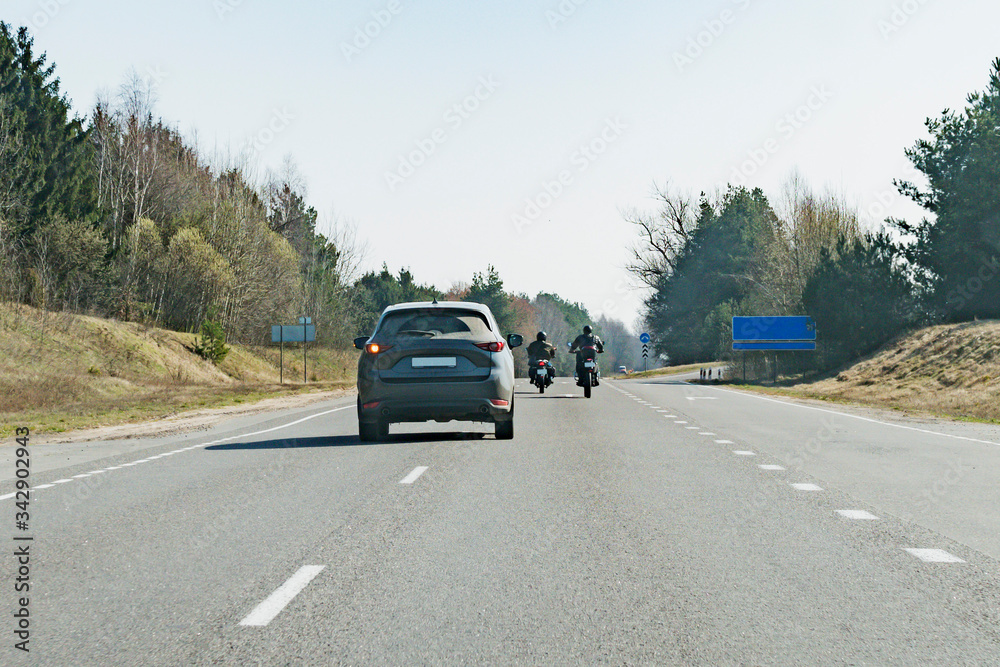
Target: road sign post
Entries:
(304, 332)
(305, 321)
(644, 339)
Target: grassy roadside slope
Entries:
(946, 370)
(669, 370)
(60, 372)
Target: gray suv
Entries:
(436, 362)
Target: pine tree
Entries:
(51, 175)
(958, 254)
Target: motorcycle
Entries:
(591, 371)
(541, 374)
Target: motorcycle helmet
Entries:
(541, 336)
(587, 330)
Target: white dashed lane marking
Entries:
(723, 442)
(934, 556)
(744, 453)
(768, 466)
(857, 515)
(806, 487)
(267, 610)
(414, 476)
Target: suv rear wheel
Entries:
(367, 431)
(373, 431)
(505, 430)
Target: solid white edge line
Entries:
(215, 442)
(278, 428)
(864, 419)
(267, 610)
(414, 476)
(5, 497)
(42, 486)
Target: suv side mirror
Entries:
(515, 340)
(360, 342)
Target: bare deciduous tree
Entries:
(662, 235)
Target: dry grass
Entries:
(946, 370)
(669, 370)
(60, 371)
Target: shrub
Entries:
(211, 344)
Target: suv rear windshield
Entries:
(436, 323)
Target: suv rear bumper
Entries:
(436, 401)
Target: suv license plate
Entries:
(434, 362)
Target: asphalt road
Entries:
(634, 528)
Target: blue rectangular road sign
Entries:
(759, 329)
(776, 345)
(295, 333)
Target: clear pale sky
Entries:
(551, 78)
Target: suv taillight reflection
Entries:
(496, 346)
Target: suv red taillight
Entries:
(491, 347)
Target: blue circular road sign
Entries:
(644, 338)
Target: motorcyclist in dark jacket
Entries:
(587, 338)
(540, 350)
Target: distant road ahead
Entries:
(658, 522)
